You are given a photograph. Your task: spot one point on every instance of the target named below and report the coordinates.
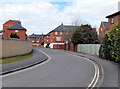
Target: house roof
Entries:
(114, 14)
(65, 28)
(105, 24)
(16, 27)
(35, 36)
(17, 21)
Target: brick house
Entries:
(103, 29)
(106, 26)
(37, 40)
(57, 37)
(14, 26)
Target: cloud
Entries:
(43, 16)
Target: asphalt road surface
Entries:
(61, 70)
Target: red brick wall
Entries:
(7, 33)
(20, 33)
(36, 40)
(116, 18)
(102, 31)
(47, 39)
(70, 47)
(52, 38)
(58, 46)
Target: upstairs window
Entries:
(16, 30)
(112, 20)
(60, 33)
(56, 33)
(58, 39)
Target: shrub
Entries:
(14, 35)
(110, 45)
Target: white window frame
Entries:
(112, 20)
(56, 33)
(16, 31)
(61, 33)
(58, 39)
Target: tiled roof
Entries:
(16, 27)
(35, 36)
(65, 28)
(105, 24)
(17, 21)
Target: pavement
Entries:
(111, 70)
(36, 59)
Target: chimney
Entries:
(62, 24)
(119, 6)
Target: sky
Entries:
(42, 16)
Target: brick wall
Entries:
(13, 47)
(116, 18)
(59, 46)
(70, 47)
(7, 33)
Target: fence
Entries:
(92, 49)
(14, 47)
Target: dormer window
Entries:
(112, 20)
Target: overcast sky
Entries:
(42, 16)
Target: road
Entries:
(60, 70)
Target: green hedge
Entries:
(110, 44)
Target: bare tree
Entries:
(77, 22)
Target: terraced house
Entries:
(14, 27)
(37, 40)
(57, 37)
(106, 26)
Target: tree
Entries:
(77, 22)
(14, 35)
(85, 34)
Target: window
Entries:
(16, 30)
(56, 33)
(60, 33)
(58, 39)
(33, 41)
(112, 20)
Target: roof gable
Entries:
(16, 27)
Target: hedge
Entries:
(110, 44)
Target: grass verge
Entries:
(16, 58)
